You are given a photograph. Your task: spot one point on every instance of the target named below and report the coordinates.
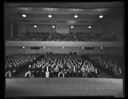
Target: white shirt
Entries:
(47, 74)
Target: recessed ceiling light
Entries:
(24, 15)
(82, 47)
(72, 27)
(23, 47)
(75, 16)
(50, 16)
(89, 27)
(101, 47)
(53, 26)
(101, 16)
(35, 26)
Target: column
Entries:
(11, 26)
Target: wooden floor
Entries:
(64, 87)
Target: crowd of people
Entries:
(111, 65)
(64, 37)
(61, 37)
(32, 37)
(94, 37)
(14, 63)
(87, 36)
(62, 66)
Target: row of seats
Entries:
(61, 37)
(56, 65)
(95, 37)
(32, 37)
(63, 65)
(64, 37)
(15, 62)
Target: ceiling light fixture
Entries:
(50, 16)
(75, 16)
(101, 16)
(72, 27)
(89, 27)
(101, 47)
(24, 15)
(35, 26)
(53, 26)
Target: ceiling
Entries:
(37, 13)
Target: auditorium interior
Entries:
(64, 49)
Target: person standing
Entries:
(42, 72)
(47, 72)
(74, 71)
(83, 71)
(32, 70)
(56, 70)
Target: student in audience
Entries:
(56, 71)
(42, 72)
(96, 74)
(74, 71)
(32, 70)
(28, 74)
(47, 74)
(61, 74)
(9, 71)
(83, 71)
(116, 71)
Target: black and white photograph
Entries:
(64, 49)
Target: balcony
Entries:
(63, 43)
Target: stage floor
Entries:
(64, 87)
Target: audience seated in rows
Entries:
(111, 65)
(61, 37)
(64, 37)
(62, 66)
(15, 62)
